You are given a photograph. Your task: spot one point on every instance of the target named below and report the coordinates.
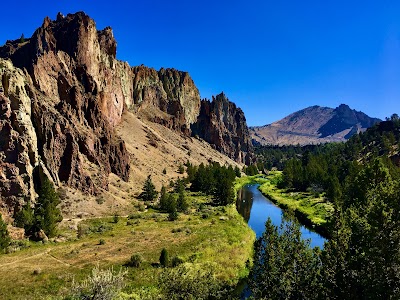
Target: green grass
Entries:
(314, 210)
(207, 235)
(240, 182)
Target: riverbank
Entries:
(206, 235)
(311, 211)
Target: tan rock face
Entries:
(222, 124)
(18, 140)
(171, 91)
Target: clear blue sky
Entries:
(270, 57)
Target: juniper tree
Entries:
(149, 190)
(4, 237)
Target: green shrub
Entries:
(135, 261)
(176, 261)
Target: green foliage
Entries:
(135, 261)
(115, 218)
(25, 218)
(163, 205)
(176, 261)
(189, 282)
(251, 170)
(360, 261)
(237, 172)
(284, 265)
(182, 204)
(46, 212)
(181, 169)
(164, 258)
(22, 38)
(4, 237)
(149, 190)
(173, 214)
(215, 180)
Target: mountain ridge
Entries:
(313, 125)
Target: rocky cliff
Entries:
(314, 125)
(63, 94)
(222, 124)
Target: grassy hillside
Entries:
(207, 235)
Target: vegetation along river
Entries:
(256, 208)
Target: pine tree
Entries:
(25, 219)
(163, 199)
(4, 237)
(149, 190)
(171, 208)
(182, 203)
(47, 214)
(164, 258)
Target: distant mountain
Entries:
(312, 125)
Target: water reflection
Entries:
(255, 209)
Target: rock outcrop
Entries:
(63, 93)
(171, 92)
(74, 94)
(222, 124)
(314, 125)
(18, 141)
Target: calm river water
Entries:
(256, 208)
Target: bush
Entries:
(102, 242)
(181, 169)
(173, 215)
(116, 218)
(101, 285)
(190, 282)
(176, 261)
(135, 261)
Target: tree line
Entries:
(362, 259)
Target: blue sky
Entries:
(270, 57)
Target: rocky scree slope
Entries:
(314, 125)
(63, 94)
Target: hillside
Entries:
(314, 125)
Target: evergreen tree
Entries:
(4, 237)
(223, 191)
(149, 190)
(237, 172)
(25, 219)
(173, 214)
(182, 204)
(284, 265)
(46, 213)
(164, 258)
(163, 199)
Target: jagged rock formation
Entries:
(63, 94)
(314, 125)
(222, 124)
(170, 91)
(18, 141)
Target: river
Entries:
(256, 208)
